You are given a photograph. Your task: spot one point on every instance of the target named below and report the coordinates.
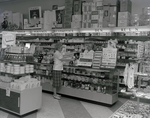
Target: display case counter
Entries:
(84, 94)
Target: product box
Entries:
(67, 19)
(84, 7)
(99, 3)
(68, 12)
(18, 20)
(95, 17)
(105, 23)
(99, 8)
(106, 15)
(68, 1)
(124, 15)
(76, 18)
(67, 25)
(93, 6)
(86, 25)
(94, 12)
(77, 5)
(76, 24)
(123, 23)
(125, 5)
(86, 17)
(110, 2)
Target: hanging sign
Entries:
(8, 38)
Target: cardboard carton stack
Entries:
(76, 17)
(68, 13)
(92, 16)
(145, 17)
(111, 8)
(124, 18)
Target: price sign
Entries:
(109, 57)
(64, 31)
(8, 38)
(132, 29)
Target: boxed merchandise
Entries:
(99, 8)
(124, 15)
(18, 20)
(76, 24)
(146, 10)
(68, 1)
(125, 5)
(99, 3)
(6, 16)
(106, 16)
(86, 17)
(67, 25)
(110, 2)
(76, 18)
(67, 19)
(123, 23)
(105, 23)
(77, 7)
(94, 17)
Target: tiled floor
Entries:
(68, 108)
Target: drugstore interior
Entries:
(111, 82)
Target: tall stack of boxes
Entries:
(86, 14)
(76, 17)
(124, 16)
(145, 17)
(68, 13)
(111, 8)
(92, 16)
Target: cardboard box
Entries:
(106, 15)
(76, 18)
(76, 24)
(105, 23)
(77, 5)
(18, 20)
(68, 1)
(123, 23)
(67, 25)
(99, 3)
(125, 5)
(99, 7)
(124, 15)
(110, 2)
(95, 17)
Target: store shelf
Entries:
(88, 68)
(15, 74)
(84, 94)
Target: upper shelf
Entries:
(82, 30)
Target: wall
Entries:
(23, 5)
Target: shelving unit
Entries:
(17, 99)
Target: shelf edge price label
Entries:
(98, 30)
(8, 91)
(64, 31)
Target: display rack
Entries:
(15, 99)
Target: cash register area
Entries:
(68, 108)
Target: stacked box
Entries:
(76, 21)
(125, 6)
(68, 13)
(124, 19)
(110, 2)
(77, 6)
(110, 16)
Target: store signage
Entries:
(131, 29)
(97, 30)
(66, 31)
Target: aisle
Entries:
(68, 108)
